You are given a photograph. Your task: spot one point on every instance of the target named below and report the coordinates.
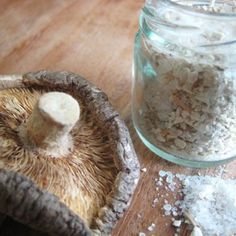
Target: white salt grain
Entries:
(151, 227)
(144, 169)
(167, 213)
(141, 234)
(162, 173)
(169, 179)
(177, 223)
(154, 203)
(174, 213)
(167, 207)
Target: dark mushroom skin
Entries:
(125, 160)
(23, 201)
(2, 218)
(12, 228)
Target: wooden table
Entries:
(95, 39)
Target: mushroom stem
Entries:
(51, 121)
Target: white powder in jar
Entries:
(189, 109)
(187, 104)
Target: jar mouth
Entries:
(196, 11)
(182, 29)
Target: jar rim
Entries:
(191, 10)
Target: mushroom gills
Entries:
(73, 160)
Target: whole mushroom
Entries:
(60, 137)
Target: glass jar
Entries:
(184, 69)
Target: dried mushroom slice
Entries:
(60, 132)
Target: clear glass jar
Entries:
(184, 71)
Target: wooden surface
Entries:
(95, 39)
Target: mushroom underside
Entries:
(82, 179)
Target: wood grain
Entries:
(95, 39)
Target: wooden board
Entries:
(95, 39)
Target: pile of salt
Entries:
(210, 200)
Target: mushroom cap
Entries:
(94, 182)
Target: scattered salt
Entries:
(162, 173)
(174, 213)
(155, 201)
(151, 227)
(167, 207)
(144, 169)
(167, 213)
(177, 223)
(169, 179)
(141, 234)
(211, 201)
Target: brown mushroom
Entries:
(60, 137)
